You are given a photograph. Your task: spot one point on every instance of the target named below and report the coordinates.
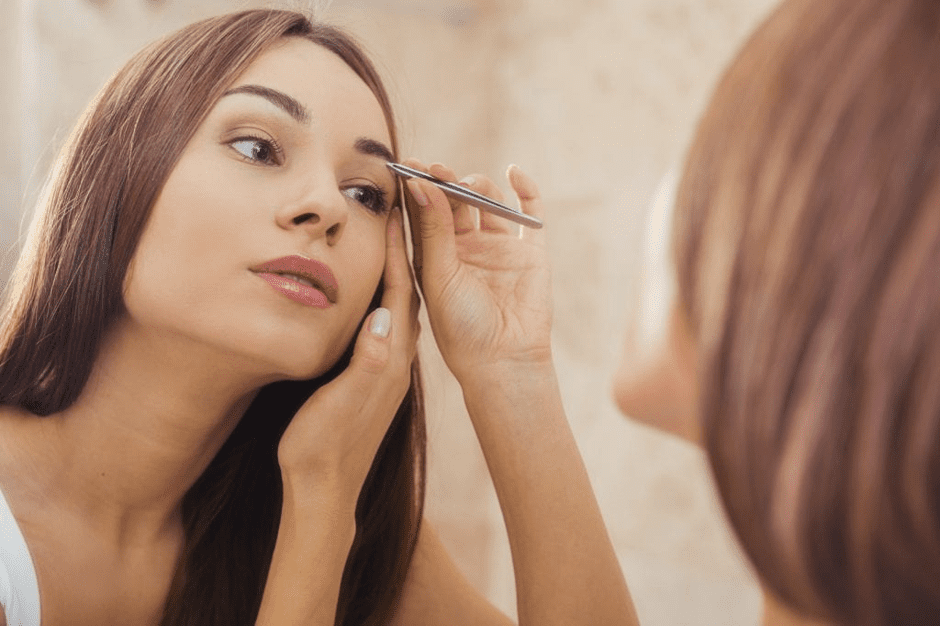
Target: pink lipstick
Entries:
(301, 279)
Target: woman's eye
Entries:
(370, 196)
(257, 150)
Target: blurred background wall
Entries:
(597, 100)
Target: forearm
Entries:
(565, 566)
(313, 542)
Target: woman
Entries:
(205, 415)
(803, 349)
(130, 328)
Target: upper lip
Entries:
(316, 272)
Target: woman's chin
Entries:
(306, 367)
(653, 396)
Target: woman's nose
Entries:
(321, 212)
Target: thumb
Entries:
(310, 443)
(373, 346)
(369, 359)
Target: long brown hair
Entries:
(807, 243)
(67, 289)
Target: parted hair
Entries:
(67, 289)
(807, 245)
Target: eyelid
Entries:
(386, 199)
(255, 134)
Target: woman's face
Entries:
(283, 186)
(655, 381)
(657, 387)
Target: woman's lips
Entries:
(304, 294)
(291, 274)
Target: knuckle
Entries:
(373, 357)
(487, 187)
(442, 171)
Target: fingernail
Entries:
(381, 323)
(521, 182)
(468, 180)
(416, 192)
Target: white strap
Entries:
(19, 589)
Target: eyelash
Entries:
(376, 203)
(276, 153)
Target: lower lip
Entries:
(297, 292)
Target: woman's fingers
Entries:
(465, 216)
(400, 296)
(341, 425)
(463, 219)
(530, 201)
(381, 364)
(488, 221)
(435, 235)
(435, 228)
(328, 436)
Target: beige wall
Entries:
(10, 156)
(596, 100)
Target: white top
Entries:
(19, 590)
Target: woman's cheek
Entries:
(659, 388)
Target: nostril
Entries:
(300, 219)
(332, 231)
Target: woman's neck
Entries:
(153, 414)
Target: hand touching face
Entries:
(267, 241)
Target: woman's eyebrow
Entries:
(278, 98)
(375, 148)
(299, 113)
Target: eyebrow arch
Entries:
(278, 98)
(374, 148)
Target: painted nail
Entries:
(468, 180)
(381, 323)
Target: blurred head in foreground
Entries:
(803, 348)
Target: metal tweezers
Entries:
(470, 197)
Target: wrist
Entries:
(510, 379)
(321, 495)
(510, 385)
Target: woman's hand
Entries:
(328, 448)
(488, 294)
(333, 438)
(487, 290)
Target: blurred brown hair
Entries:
(807, 242)
(67, 289)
